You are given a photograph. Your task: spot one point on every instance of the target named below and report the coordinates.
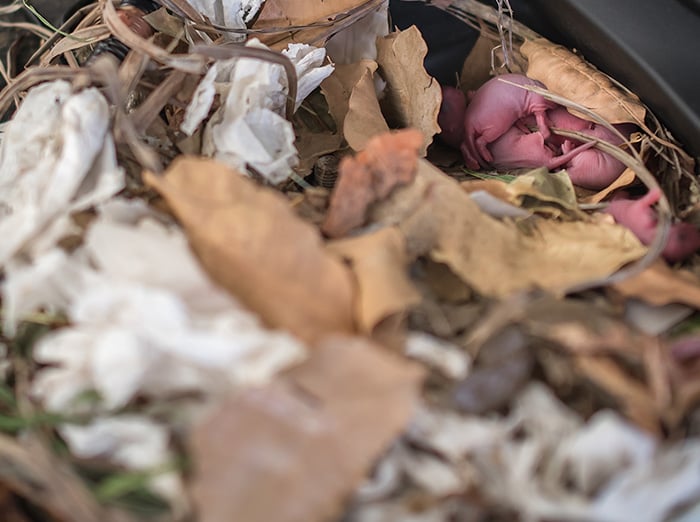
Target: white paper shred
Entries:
(584, 462)
(654, 488)
(544, 463)
(230, 13)
(131, 441)
(56, 157)
(249, 129)
(145, 320)
(496, 207)
(446, 357)
(308, 63)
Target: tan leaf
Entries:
(550, 193)
(380, 265)
(498, 258)
(476, 70)
(313, 145)
(389, 160)
(634, 398)
(338, 87)
(364, 119)
(413, 96)
(569, 75)
(250, 241)
(328, 15)
(660, 285)
(626, 178)
(495, 187)
(294, 452)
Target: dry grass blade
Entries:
(188, 63)
(12, 8)
(104, 71)
(148, 111)
(41, 32)
(28, 79)
(473, 12)
(83, 37)
(83, 17)
(31, 471)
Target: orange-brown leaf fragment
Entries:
(250, 241)
(390, 160)
(295, 451)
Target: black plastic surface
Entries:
(651, 46)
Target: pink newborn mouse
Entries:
(494, 108)
(638, 216)
(519, 148)
(593, 169)
(451, 116)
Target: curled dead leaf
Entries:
(498, 258)
(364, 119)
(339, 86)
(413, 96)
(569, 75)
(293, 452)
(379, 262)
(660, 285)
(232, 224)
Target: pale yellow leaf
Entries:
(294, 452)
(570, 76)
(413, 96)
(380, 265)
(252, 243)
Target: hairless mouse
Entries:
(494, 108)
(520, 148)
(451, 116)
(638, 216)
(592, 169)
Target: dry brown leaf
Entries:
(413, 96)
(626, 178)
(497, 258)
(583, 329)
(313, 145)
(364, 119)
(569, 75)
(31, 471)
(278, 14)
(635, 399)
(380, 265)
(660, 285)
(294, 452)
(476, 70)
(549, 193)
(389, 160)
(495, 187)
(251, 242)
(338, 87)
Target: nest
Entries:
(185, 44)
(514, 49)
